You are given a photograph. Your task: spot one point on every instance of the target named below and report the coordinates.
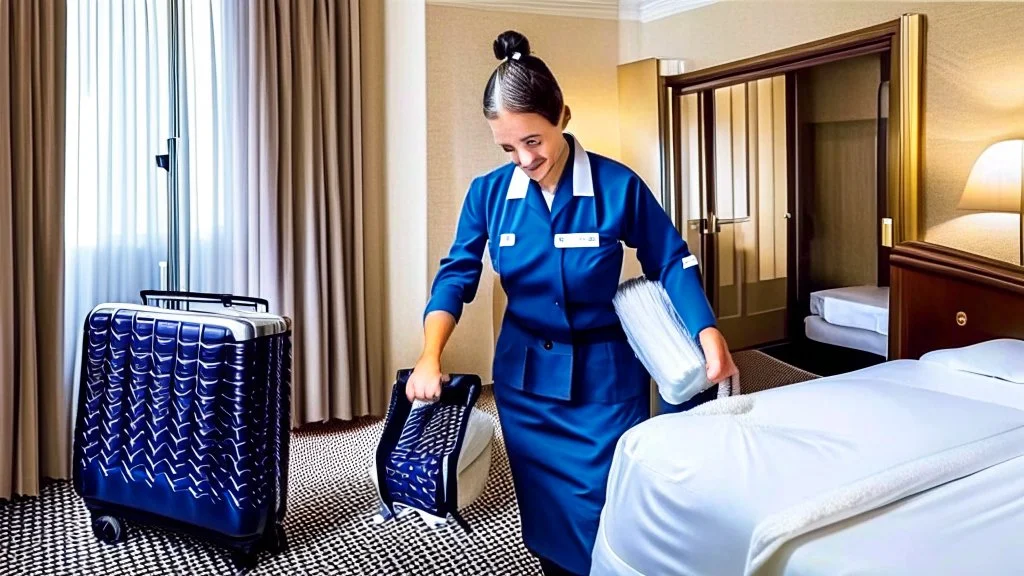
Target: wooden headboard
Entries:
(944, 298)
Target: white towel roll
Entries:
(662, 343)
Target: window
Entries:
(132, 65)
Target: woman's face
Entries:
(532, 143)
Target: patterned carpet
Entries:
(759, 371)
(329, 523)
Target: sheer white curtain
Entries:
(118, 121)
(215, 136)
(118, 109)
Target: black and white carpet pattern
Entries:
(329, 525)
(330, 517)
(759, 371)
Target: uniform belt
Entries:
(611, 333)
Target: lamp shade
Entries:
(996, 182)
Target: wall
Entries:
(629, 40)
(405, 173)
(844, 91)
(460, 145)
(843, 205)
(973, 93)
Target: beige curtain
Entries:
(317, 250)
(34, 411)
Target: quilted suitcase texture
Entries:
(418, 453)
(184, 420)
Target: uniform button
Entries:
(547, 345)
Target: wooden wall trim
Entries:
(906, 108)
(944, 298)
(874, 39)
(962, 265)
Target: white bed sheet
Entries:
(971, 526)
(685, 495)
(817, 329)
(863, 307)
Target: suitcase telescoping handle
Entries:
(227, 300)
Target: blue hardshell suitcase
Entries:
(418, 453)
(184, 419)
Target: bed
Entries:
(854, 317)
(907, 467)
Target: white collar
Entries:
(582, 180)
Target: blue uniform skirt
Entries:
(560, 453)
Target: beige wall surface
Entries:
(582, 53)
(843, 107)
(405, 142)
(844, 91)
(974, 93)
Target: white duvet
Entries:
(813, 477)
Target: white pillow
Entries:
(1002, 358)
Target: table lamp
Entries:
(996, 183)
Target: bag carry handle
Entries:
(228, 300)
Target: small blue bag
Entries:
(417, 457)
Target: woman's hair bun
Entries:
(508, 43)
(527, 86)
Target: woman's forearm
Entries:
(437, 329)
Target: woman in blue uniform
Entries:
(566, 381)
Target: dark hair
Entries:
(521, 85)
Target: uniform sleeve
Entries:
(664, 256)
(458, 278)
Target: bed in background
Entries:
(907, 467)
(855, 317)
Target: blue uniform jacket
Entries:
(560, 268)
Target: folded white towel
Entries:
(734, 406)
(662, 343)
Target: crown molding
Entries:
(601, 9)
(635, 10)
(650, 10)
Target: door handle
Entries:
(710, 224)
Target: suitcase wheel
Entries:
(245, 559)
(278, 540)
(109, 529)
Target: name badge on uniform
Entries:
(689, 261)
(507, 240)
(578, 240)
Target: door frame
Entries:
(904, 41)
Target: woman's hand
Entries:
(425, 381)
(716, 351)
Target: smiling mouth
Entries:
(534, 167)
